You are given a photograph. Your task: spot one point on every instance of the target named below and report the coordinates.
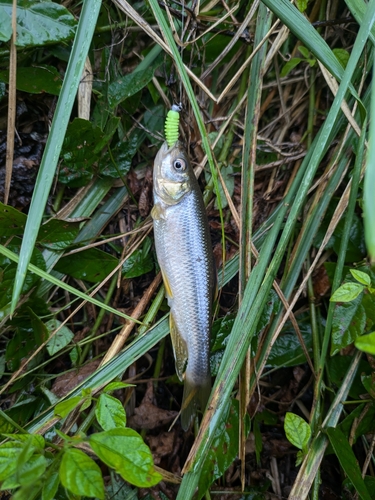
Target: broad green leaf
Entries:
(304, 51)
(289, 66)
(58, 234)
(348, 460)
(342, 55)
(117, 163)
(130, 84)
(115, 386)
(91, 265)
(125, 451)
(110, 413)
(37, 441)
(9, 453)
(80, 474)
(224, 449)
(60, 339)
(24, 342)
(361, 277)
(302, 5)
(140, 262)
(12, 221)
(50, 486)
(38, 23)
(36, 79)
(368, 382)
(348, 323)
(347, 292)
(297, 431)
(227, 174)
(366, 343)
(31, 470)
(65, 407)
(5, 26)
(79, 152)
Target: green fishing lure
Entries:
(171, 125)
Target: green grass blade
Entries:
(39, 272)
(369, 182)
(81, 45)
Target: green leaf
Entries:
(361, 277)
(224, 448)
(342, 55)
(5, 26)
(50, 486)
(347, 292)
(302, 5)
(110, 413)
(12, 221)
(80, 474)
(289, 66)
(31, 470)
(65, 407)
(90, 265)
(36, 80)
(304, 51)
(348, 461)
(38, 23)
(140, 262)
(118, 162)
(58, 234)
(80, 150)
(348, 323)
(129, 85)
(368, 382)
(369, 182)
(60, 339)
(366, 343)
(297, 431)
(125, 451)
(227, 174)
(37, 441)
(115, 386)
(9, 453)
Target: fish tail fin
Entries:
(195, 396)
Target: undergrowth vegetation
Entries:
(278, 120)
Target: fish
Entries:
(184, 252)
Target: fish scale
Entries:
(184, 253)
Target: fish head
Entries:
(172, 173)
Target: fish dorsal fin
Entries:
(179, 348)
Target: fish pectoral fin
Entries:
(179, 348)
(157, 212)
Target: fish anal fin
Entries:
(179, 348)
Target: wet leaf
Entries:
(140, 262)
(110, 413)
(37, 79)
(38, 23)
(60, 339)
(58, 234)
(223, 450)
(348, 460)
(90, 265)
(80, 474)
(125, 451)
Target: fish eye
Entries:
(179, 165)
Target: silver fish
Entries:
(184, 251)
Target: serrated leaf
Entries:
(366, 343)
(110, 413)
(60, 339)
(297, 431)
(36, 79)
(125, 451)
(38, 23)
(65, 407)
(80, 474)
(348, 460)
(58, 234)
(291, 64)
(347, 292)
(361, 277)
(90, 265)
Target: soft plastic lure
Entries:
(171, 125)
